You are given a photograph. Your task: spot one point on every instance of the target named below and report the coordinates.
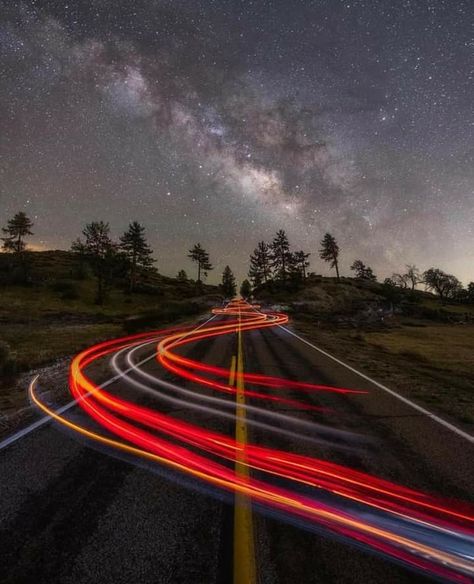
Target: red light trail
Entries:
(422, 531)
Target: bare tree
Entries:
(400, 280)
(413, 276)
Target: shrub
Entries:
(413, 356)
(167, 312)
(4, 352)
(66, 289)
(7, 360)
(150, 289)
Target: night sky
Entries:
(223, 121)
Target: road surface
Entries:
(234, 453)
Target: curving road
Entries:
(234, 451)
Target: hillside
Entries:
(352, 302)
(404, 338)
(54, 314)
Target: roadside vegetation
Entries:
(54, 303)
(429, 363)
(405, 338)
(414, 331)
(56, 313)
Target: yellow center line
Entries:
(232, 370)
(244, 555)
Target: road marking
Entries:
(232, 370)
(244, 552)
(46, 419)
(405, 400)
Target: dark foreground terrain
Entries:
(72, 514)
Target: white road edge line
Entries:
(405, 400)
(46, 419)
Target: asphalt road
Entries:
(72, 513)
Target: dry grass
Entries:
(448, 347)
(35, 346)
(432, 364)
(435, 304)
(23, 303)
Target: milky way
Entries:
(223, 121)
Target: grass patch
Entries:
(33, 347)
(449, 347)
(20, 303)
(414, 356)
(434, 365)
(435, 304)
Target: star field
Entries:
(223, 121)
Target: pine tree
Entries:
(329, 252)
(281, 255)
(136, 251)
(182, 276)
(101, 252)
(301, 262)
(260, 264)
(15, 232)
(200, 256)
(228, 285)
(245, 289)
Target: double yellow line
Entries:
(244, 553)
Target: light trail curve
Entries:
(422, 531)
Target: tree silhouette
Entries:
(400, 280)
(413, 276)
(200, 256)
(228, 285)
(260, 264)
(281, 256)
(470, 293)
(300, 260)
(15, 232)
(362, 271)
(245, 289)
(136, 252)
(101, 252)
(329, 252)
(445, 285)
(182, 276)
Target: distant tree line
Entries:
(131, 257)
(276, 261)
(127, 260)
(446, 286)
